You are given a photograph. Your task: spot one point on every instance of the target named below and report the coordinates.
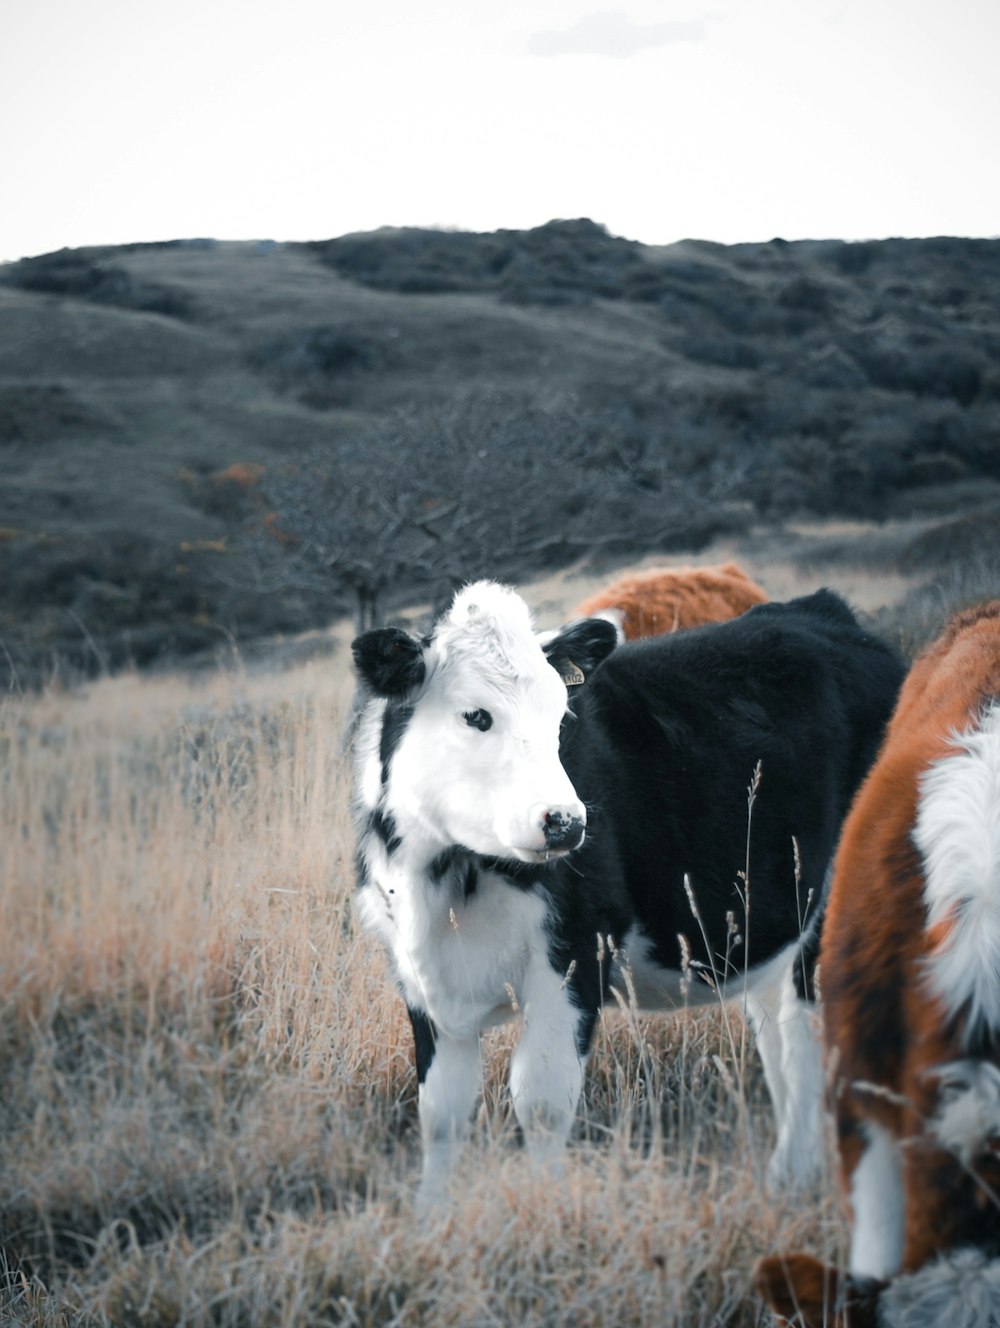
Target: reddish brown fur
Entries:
(882, 1024)
(802, 1290)
(663, 600)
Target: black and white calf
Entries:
(518, 801)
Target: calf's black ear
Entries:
(578, 649)
(389, 661)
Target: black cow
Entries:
(522, 799)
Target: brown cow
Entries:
(910, 976)
(665, 600)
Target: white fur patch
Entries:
(488, 628)
(798, 1151)
(368, 766)
(447, 1098)
(457, 959)
(970, 1107)
(958, 1290)
(958, 835)
(546, 1073)
(877, 1201)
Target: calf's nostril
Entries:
(562, 830)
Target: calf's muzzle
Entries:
(563, 830)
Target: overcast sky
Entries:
(727, 120)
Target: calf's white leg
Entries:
(446, 1100)
(546, 1073)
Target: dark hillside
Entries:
(203, 440)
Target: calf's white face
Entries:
(478, 711)
(479, 760)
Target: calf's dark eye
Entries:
(478, 719)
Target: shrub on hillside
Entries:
(99, 604)
(562, 261)
(940, 370)
(831, 367)
(418, 261)
(36, 412)
(572, 259)
(86, 274)
(959, 541)
(725, 351)
(959, 584)
(320, 363)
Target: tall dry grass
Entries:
(207, 1114)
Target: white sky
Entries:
(727, 120)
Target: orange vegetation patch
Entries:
(243, 475)
(269, 524)
(203, 546)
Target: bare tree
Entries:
(486, 485)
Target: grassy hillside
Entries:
(147, 393)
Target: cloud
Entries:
(610, 32)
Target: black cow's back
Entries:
(664, 746)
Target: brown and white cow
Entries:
(910, 978)
(667, 600)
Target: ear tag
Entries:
(571, 674)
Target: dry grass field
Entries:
(207, 1101)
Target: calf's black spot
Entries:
(383, 826)
(394, 723)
